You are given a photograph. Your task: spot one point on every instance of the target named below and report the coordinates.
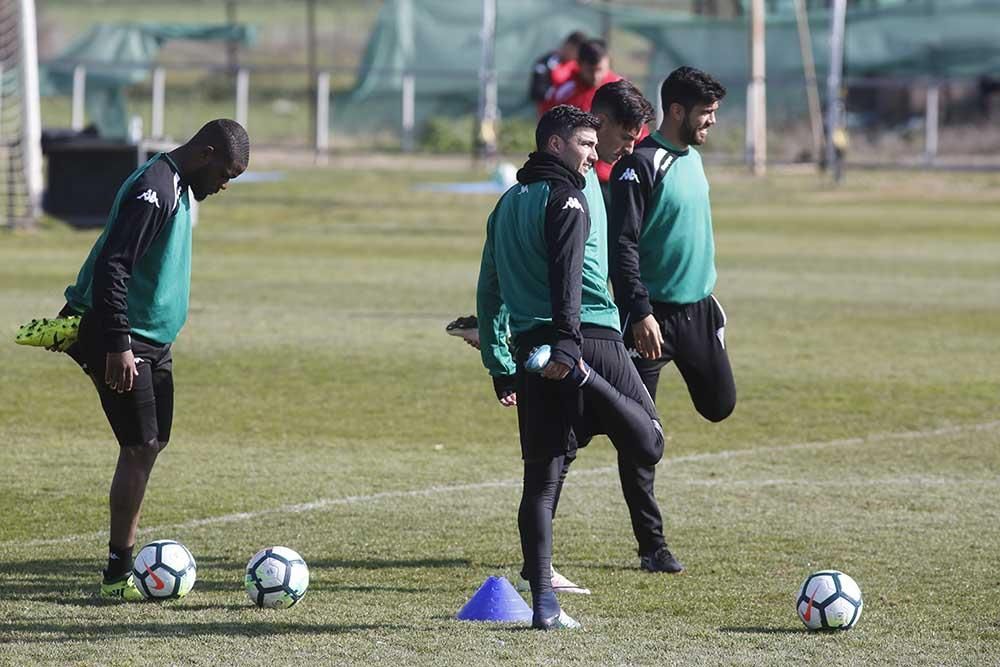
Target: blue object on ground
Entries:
(496, 600)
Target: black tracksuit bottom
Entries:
(556, 418)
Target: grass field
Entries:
(320, 406)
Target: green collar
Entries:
(660, 139)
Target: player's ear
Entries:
(677, 111)
(555, 144)
(207, 153)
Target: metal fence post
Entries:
(159, 98)
(758, 74)
(322, 114)
(660, 111)
(242, 96)
(79, 97)
(932, 121)
(834, 97)
(409, 109)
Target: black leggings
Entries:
(543, 482)
(613, 402)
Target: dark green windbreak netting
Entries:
(438, 42)
(117, 55)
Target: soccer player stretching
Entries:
(663, 250)
(132, 293)
(544, 272)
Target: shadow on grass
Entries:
(224, 563)
(58, 633)
(372, 589)
(762, 631)
(186, 605)
(386, 564)
(498, 626)
(43, 579)
(75, 582)
(62, 581)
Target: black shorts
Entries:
(147, 412)
(554, 418)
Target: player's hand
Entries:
(509, 401)
(555, 370)
(648, 338)
(120, 370)
(472, 343)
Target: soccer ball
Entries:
(277, 578)
(829, 600)
(164, 569)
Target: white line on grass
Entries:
(324, 503)
(901, 480)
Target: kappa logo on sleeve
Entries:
(629, 175)
(572, 202)
(150, 197)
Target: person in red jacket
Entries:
(555, 68)
(593, 70)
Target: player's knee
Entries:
(651, 451)
(142, 453)
(717, 410)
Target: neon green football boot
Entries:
(52, 333)
(122, 589)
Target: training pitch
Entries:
(320, 406)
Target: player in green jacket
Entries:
(544, 278)
(663, 257)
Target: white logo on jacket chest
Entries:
(629, 175)
(150, 197)
(572, 202)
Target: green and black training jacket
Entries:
(545, 264)
(660, 226)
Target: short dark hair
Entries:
(576, 38)
(228, 137)
(563, 120)
(592, 52)
(688, 86)
(624, 104)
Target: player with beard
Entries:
(132, 299)
(663, 255)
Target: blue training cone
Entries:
(496, 600)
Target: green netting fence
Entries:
(434, 46)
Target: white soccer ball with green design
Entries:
(829, 600)
(276, 578)
(164, 569)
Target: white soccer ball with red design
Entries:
(164, 569)
(276, 578)
(829, 600)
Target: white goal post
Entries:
(20, 115)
